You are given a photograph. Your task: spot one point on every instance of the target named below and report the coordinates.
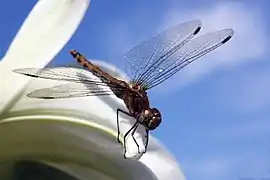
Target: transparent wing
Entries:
(142, 57)
(70, 90)
(64, 74)
(178, 57)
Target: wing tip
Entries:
(224, 35)
(198, 22)
(23, 71)
(19, 71)
(195, 22)
(229, 30)
(197, 30)
(230, 33)
(30, 95)
(39, 93)
(33, 95)
(194, 25)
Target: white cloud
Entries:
(250, 41)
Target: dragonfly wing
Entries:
(180, 56)
(70, 90)
(142, 57)
(70, 74)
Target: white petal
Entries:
(98, 132)
(46, 30)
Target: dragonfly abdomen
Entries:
(104, 76)
(114, 83)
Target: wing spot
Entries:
(226, 39)
(32, 75)
(197, 30)
(48, 98)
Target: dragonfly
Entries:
(147, 65)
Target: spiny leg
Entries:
(134, 126)
(118, 128)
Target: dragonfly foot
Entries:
(118, 140)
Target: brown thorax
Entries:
(138, 89)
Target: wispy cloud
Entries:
(250, 41)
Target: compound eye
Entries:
(154, 123)
(156, 119)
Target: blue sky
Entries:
(216, 112)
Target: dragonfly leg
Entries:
(132, 128)
(147, 139)
(118, 128)
(132, 134)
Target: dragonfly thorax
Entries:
(136, 86)
(139, 89)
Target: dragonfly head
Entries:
(151, 118)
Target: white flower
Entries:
(76, 135)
